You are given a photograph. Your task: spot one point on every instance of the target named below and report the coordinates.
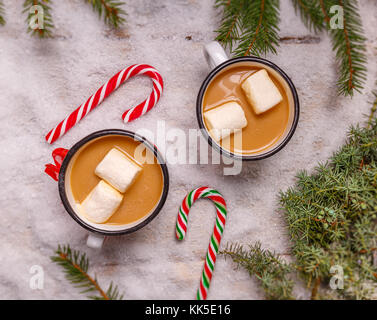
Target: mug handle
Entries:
(214, 54)
(95, 241)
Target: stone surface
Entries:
(41, 81)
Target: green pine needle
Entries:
(349, 45)
(332, 221)
(266, 266)
(76, 265)
(250, 27)
(111, 10)
(48, 25)
(311, 14)
(332, 214)
(2, 13)
(231, 26)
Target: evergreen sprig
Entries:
(332, 213)
(252, 25)
(349, 45)
(231, 21)
(111, 10)
(311, 13)
(251, 28)
(2, 13)
(76, 265)
(48, 25)
(348, 42)
(332, 221)
(266, 266)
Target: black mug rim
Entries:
(98, 134)
(247, 157)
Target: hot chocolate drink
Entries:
(112, 184)
(246, 100)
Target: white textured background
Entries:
(41, 81)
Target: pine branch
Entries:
(2, 13)
(111, 10)
(260, 24)
(231, 22)
(250, 26)
(310, 13)
(349, 45)
(76, 265)
(331, 215)
(324, 11)
(42, 31)
(266, 266)
(348, 42)
(332, 221)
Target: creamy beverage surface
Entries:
(263, 130)
(139, 199)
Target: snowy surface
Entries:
(41, 81)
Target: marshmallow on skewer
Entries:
(101, 203)
(118, 169)
(225, 120)
(261, 91)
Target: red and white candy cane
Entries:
(104, 91)
(214, 244)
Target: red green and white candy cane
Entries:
(214, 244)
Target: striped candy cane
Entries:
(214, 244)
(104, 91)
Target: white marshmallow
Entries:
(225, 120)
(118, 169)
(261, 91)
(101, 203)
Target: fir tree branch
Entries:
(2, 13)
(266, 266)
(251, 27)
(260, 24)
(324, 12)
(332, 221)
(311, 13)
(111, 10)
(258, 28)
(331, 216)
(231, 24)
(349, 45)
(351, 56)
(76, 265)
(46, 30)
